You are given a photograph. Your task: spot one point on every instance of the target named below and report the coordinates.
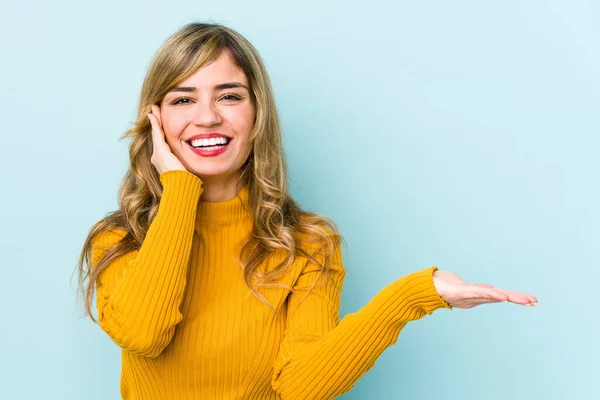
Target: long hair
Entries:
(279, 224)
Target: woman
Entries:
(211, 279)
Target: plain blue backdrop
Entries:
(462, 134)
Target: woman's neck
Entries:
(219, 188)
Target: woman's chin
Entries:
(210, 173)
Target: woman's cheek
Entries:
(245, 123)
(172, 129)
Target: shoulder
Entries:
(108, 237)
(321, 241)
(316, 233)
(105, 240)
(316, 227)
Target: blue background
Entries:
(462, 134)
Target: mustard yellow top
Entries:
(189, 328)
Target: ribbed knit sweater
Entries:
(189, 327)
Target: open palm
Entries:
(461, 294)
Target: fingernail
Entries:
(534, 304)
(506, 301)
(527, 305)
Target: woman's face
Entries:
(213, 103)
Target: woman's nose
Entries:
(206, 114)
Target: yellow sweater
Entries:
(189, 328)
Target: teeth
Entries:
(208, 142)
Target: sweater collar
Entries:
(225, 212)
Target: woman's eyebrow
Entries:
(221, 86)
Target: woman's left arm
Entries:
(321, 359)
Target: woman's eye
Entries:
(180, 100)
(231, 97)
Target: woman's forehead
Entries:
(222, 70)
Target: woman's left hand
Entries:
(461, 294)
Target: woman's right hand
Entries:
(162, 157)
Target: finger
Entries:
(496, 294)
(153, 133)
(483, 285)
(158, 138)
(522, 298)
(487, 301)
(530, 297)
(518, 297)
(482, 294)
(509, 295)
(156, 112)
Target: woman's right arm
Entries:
(140, 293)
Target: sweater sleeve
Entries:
(139, 293)
(321, 359)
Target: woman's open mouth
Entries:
(209, 147)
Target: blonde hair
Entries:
(278, 224)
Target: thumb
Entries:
(483, 285)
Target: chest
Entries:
(223, 319)
(228, 338)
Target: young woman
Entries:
(209, 276)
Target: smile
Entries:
(209, 147)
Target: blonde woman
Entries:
(209, 276)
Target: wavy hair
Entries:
(279, 224)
